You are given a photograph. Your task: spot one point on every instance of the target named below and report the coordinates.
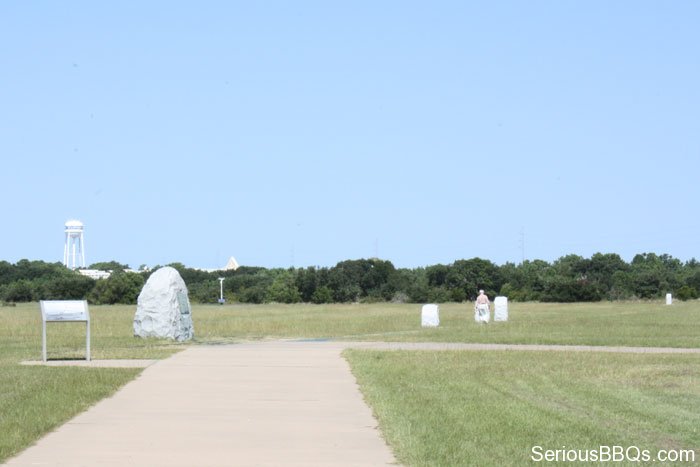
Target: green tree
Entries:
(568, 281)
(306, 281)
(120, 287)
(30, 270)
(402, 281)
(345, 278)
(72, 286)
(322, 294)
(283, 289)
(19, 291)
(205, 292)
(7, 272)
(653, 275)
(686, 293)
(466, 277)
(622, 285)
(191, 275)
(602, 268)
(437, 275)
(250, 284)
(109, 266)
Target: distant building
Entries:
(232, 264)
(95, 273)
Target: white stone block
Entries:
(430, 316)
(500, 312)
(482, 313)
(669, 299)
(163, 308)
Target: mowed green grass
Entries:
(452, 408)
(625, 323)
(35, 399)
(607, 323)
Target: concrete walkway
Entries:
(280, 403)
(263, 404)
(516, 347)
(93, 363)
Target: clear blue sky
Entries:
(304, 133)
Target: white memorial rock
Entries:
(430, 316)
(500, 311)
(163, 307)
(669, 299)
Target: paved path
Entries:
(281, 403)
(93, 363)
(265, 404)
(516, 347)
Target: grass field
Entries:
(36, 399)
(491, 408)
(33, 400)
(624, 323)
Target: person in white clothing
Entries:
(482, 312)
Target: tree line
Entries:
(570, 278)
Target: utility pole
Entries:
(221, 291)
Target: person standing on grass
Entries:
(482, 313)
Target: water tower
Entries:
(74, 249)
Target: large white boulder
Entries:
(163, 308)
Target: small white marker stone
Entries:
(430, 316)
(500, 312)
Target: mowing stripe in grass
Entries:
(491, 407)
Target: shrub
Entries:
(255, 294)
(19, 291)
(348, 293)
(400, 297)
(283, 290)
(322, 294)
(66, 287)
(686, 293)
(120, 287)
(205, 292)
